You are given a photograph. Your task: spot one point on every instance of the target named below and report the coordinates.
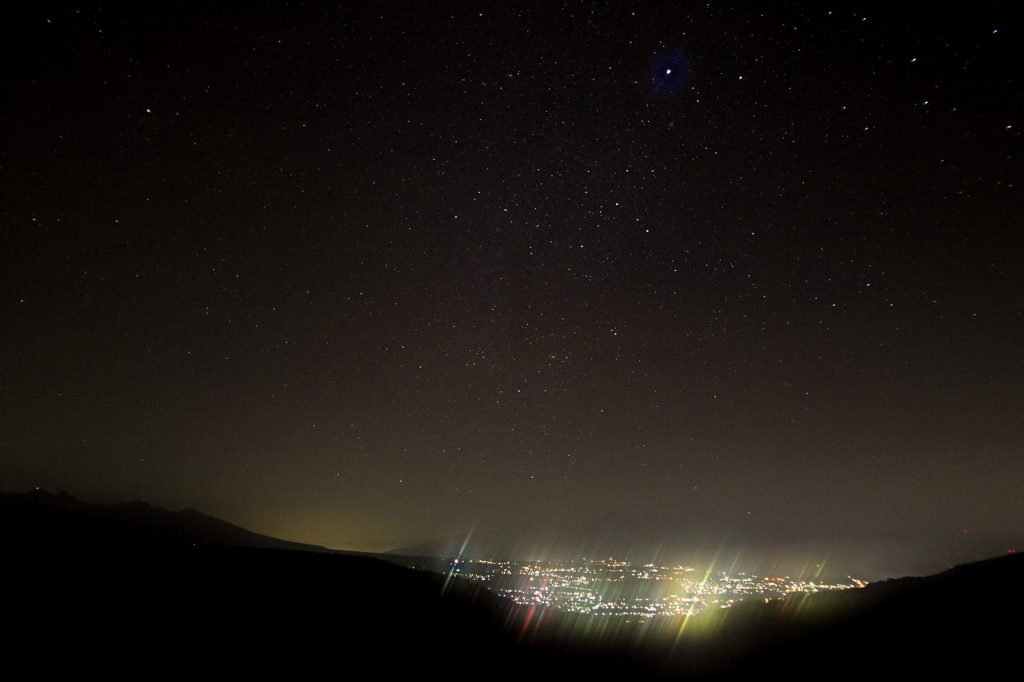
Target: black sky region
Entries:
(365, 274)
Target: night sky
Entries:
(370, 274)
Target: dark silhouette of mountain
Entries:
(133, 589)
(125, 589)
(41, 517)
(962, 622)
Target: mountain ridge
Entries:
(64, 519)
(131, 591)
(744, 547)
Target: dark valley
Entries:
(130, 588)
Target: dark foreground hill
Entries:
(100, 589)
(124, 590)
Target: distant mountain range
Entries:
(665, 541)
(39, 517)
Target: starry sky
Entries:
(370, 274)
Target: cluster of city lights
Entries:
(612, 587)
